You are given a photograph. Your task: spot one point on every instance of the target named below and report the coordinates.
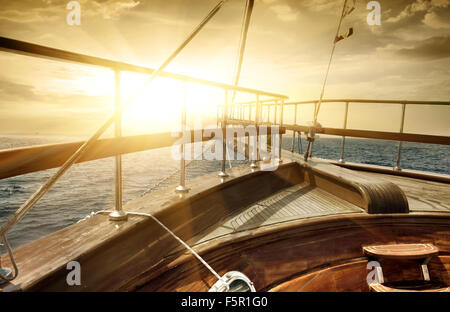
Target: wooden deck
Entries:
(294, 203)
(305, 201)
(216, 210)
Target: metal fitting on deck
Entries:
(310, 137)
(311, 134)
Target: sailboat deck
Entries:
(245, 204)
(304, 201)
(293, 203)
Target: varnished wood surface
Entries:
(401, 251)
(368, 134)
(349, 276)
(270, 256)
(380, 135)
(300, 201)
(415, 174)
(139, 254)
(96, 239)
(352, 276)
(412, 287)
(356, 101)
(422, 195)
(375, 195)
(18, 161)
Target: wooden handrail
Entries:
(18, 161)
(271, 102)
(381, 135)
(368, 134)
(371, 101)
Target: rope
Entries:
(11, 257)
(165, 228)
(180, 241)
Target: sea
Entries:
(89, 187)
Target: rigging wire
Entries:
(242, 44)
(300, 148)
(345, 11)
(317, 105)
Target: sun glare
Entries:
(158, 107)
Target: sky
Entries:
(406, 57)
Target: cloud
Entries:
(27, 96)
(419, 6)
(284, 12)
(283, 9)
(437, 21)
(16, 91)
(433, 48)
(321, 5)
(112, 9)
(48, 11)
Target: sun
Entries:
(155, 108)
(158, 107)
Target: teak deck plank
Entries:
(296, 202)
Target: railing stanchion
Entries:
(223, 172)
(182, 187)
(118, 214)
(276, 112)
(281, 125)
(240, 111)
(217, 115)
(293, 131)
(397, 162)
(253, 163)
(341, 159)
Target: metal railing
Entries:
(80, 149)
(20, 47)
(400, 136)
